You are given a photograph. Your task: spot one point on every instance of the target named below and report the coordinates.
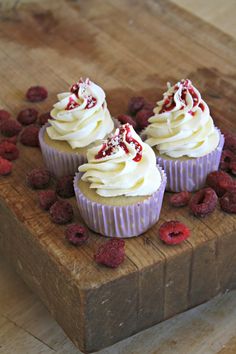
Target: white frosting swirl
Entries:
(122, 165)
(80, 116)
(182, 125)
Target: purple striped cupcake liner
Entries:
(121, 221)
(190, 175)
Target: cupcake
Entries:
(80, 119)
(120, 190)
(187, 144)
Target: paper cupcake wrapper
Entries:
(120, 221)
(190, 175)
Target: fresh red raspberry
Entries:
(12, 140)
(61, 212)
(232, 167)
(203, 202)
(44, 117)
(76, 234)
(124, 118)
(226, 157)
(38, 178)
(65, 187)
(220, 181)
(180, 199)
(27, 116)
(47, 198)
(173, 232)
(9, 151)
(111, 254)
(36, 93)
(4, 115)
(142, 118)
(30, 136)
(135, 104)
(5, 167)
(228, 202)
(10, 127)
(230, 141)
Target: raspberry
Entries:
(36, 94)
(9, 151)
(76, 234)
(10, 127)
(203, 202)
(149, 106)
(111, 254)
(44, 117)
(173, 232)
(12, 140)
(5, 167)
(180, 199)
(226, 157)
(65, 187)
(38, 178)
(27, 116)
(220, 181)
(47, 198)
(228, 202)
(142, 118)
(232, 167)
(230, 141)
(124, 118)
(30, 136)
(4, 115)
(61, 212)
(135, 104)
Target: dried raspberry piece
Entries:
(9, 151)
(30, 136)
(4, 115)
(27, 116)
(76, 234)
(124, 118)
(203, 202)
(47, 198)
(180, 199)
(111, 254)
(44, 117)
(232, 166)
(65, 187)
(36, 93)
(220, 181)
(142, 118)
(12, 140)
(228, 202)
(38, 178)
(61, 212)
(5, 167)
(10, 127)
(135, 104)
(173, 232)
(226, 157)
(230, 141)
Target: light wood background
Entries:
(27, 328)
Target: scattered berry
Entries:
(230, 141)
(228, 202)
(8, 151)
(220, 181)
(5, 167)
(76, 234)
(149, 106)
(232, 167)
(30, 136)
(27, 116)
(10, 127)
(4, 115)
(226, 157)
(47, 198)
(142, 118)
(12, 140)
(124, 118)
(180, 199)
(65, 187)
(173, 232)
(38, 178)
(135, 104)
(61, 212)
(36, 94)
(44, 117)
(111, 254)
(203, 202)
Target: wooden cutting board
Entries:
(128, 47)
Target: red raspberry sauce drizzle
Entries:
(91, 101)
(118, 140)
(71, 104)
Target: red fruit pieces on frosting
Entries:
(43, 118)
(228, 202)
(220, 181)
(27, 116)
(30, 136)
(203, 202)
(227, 157)
(10, 127)
(124, 118)
(76, 234)
(65, 187)
(8, 151)
(111, 254)
(180, 199)
(135, 104)
(4, 115)
(230, 141)
(142, 118)
(5, 167)
(61, 212)
(173, 232)
(38, 178)
(47, 198)
(36, 94)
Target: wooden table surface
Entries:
(27, 327)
